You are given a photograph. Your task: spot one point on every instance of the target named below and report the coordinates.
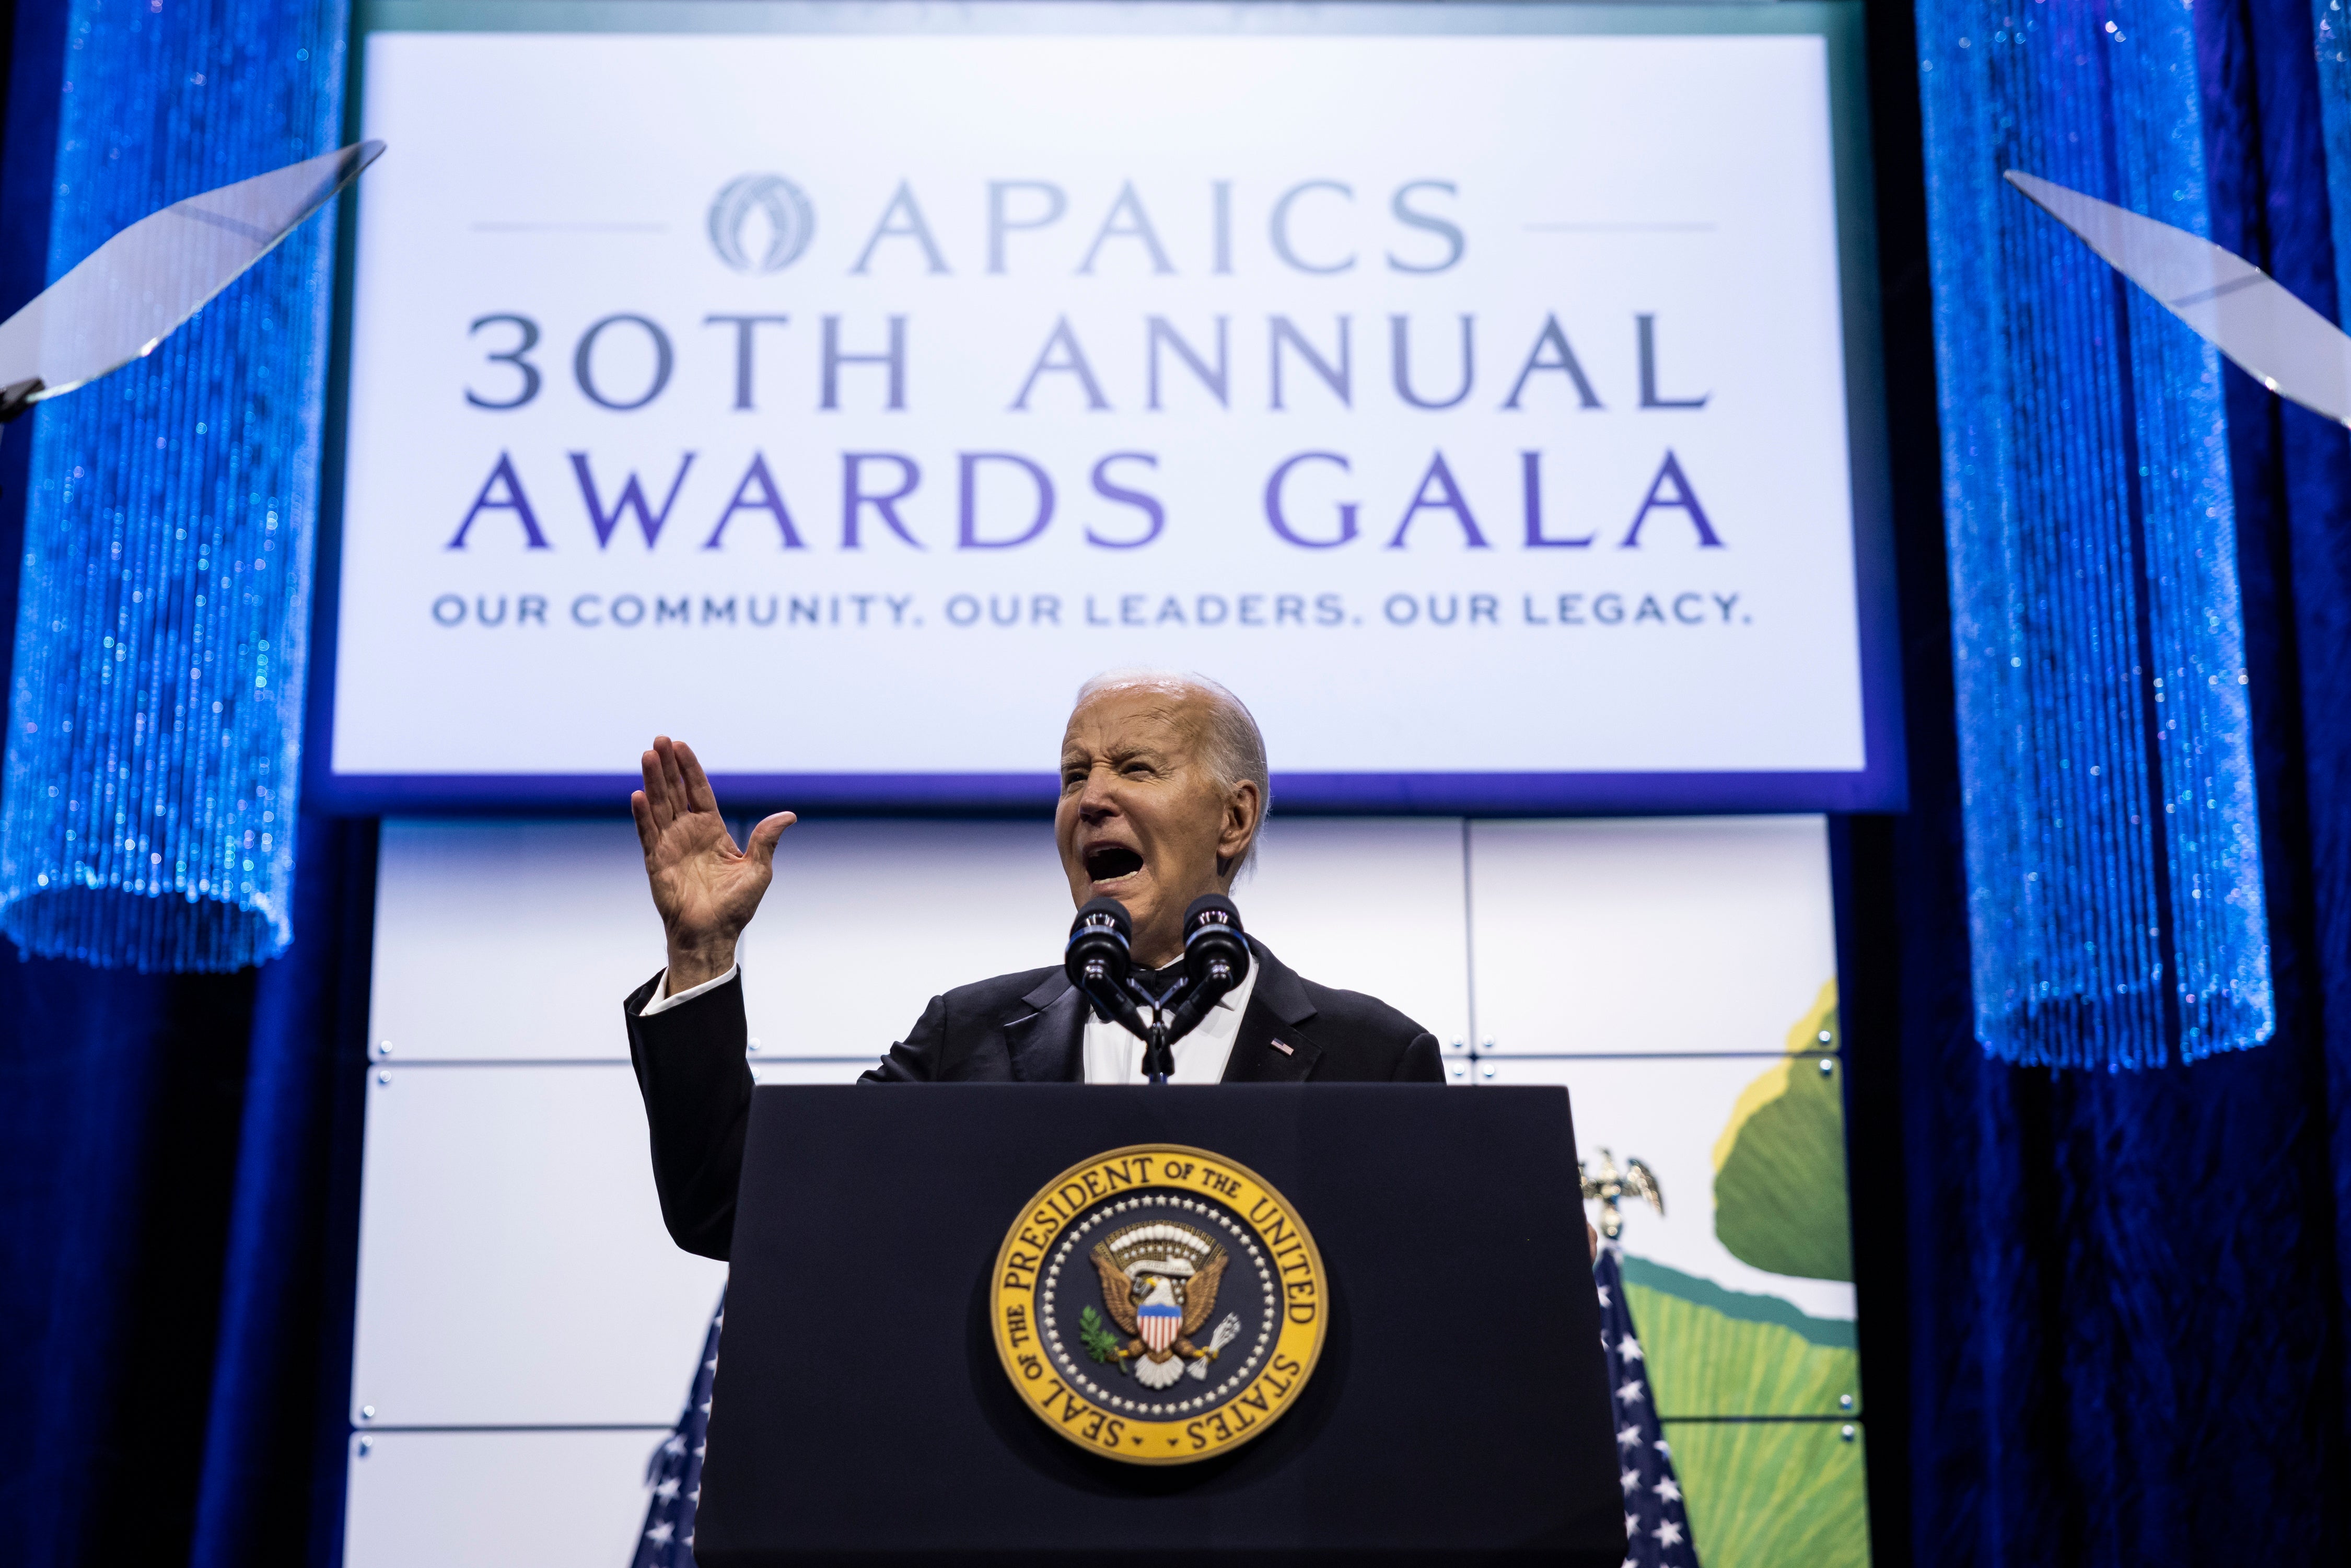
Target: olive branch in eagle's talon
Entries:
(1100, 1342)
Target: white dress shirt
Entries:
(1116, 1056)
(664, 1001)
(1112, 1054)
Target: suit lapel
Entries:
(1048, 1046)
(1272, 1045)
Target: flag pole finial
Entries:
(1608, 1185)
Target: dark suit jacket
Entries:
(1027, 1028)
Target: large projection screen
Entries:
(1487, 394)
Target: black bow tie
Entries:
(1159, 982)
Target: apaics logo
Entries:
(790, 222)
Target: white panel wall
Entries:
(509, 941)
(1659, 934)
(866, 921)
(1369, 906)
(513, 1267)
(495, 1500)
(516, 1293)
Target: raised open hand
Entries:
(705, 888)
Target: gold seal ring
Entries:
(1158, 1304)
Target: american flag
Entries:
(674, 1472)
(1656, 1527)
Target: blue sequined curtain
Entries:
(2113, 858)
(2331, 39)
(157, 694)
(2105, 1315)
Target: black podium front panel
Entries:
(1460, 1410)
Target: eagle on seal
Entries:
(1159, 1283)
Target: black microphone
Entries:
(1215, 951)
(1099, 959)
(1216, 960)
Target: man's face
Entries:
(1142, 818)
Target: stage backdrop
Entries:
(1475, 397)
(526, 1332)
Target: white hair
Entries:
(1234, 748)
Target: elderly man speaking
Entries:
(1163, 793)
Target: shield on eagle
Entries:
(1159, 1317)
(1159, 1283)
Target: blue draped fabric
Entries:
(177, 1166)
(282, 1344)
(2104, 1315)
(178, 1155)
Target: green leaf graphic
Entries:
(1779, 1168)
(1704, 1360)
(1773, 1494)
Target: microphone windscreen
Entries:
(1208, 909)
(1104, 913)
(1212, 929)
(1096, 960)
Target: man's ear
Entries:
(1244, 814)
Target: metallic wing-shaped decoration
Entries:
(1609, 1185)
(2232, 304)
(129, 294)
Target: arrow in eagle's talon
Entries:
(1227, 1331)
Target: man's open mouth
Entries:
(1107, 862)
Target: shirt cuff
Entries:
(662, 1003)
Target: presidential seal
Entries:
(1158, 1304)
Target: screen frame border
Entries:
(1880, 784)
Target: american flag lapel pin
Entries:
(1284, 1047)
